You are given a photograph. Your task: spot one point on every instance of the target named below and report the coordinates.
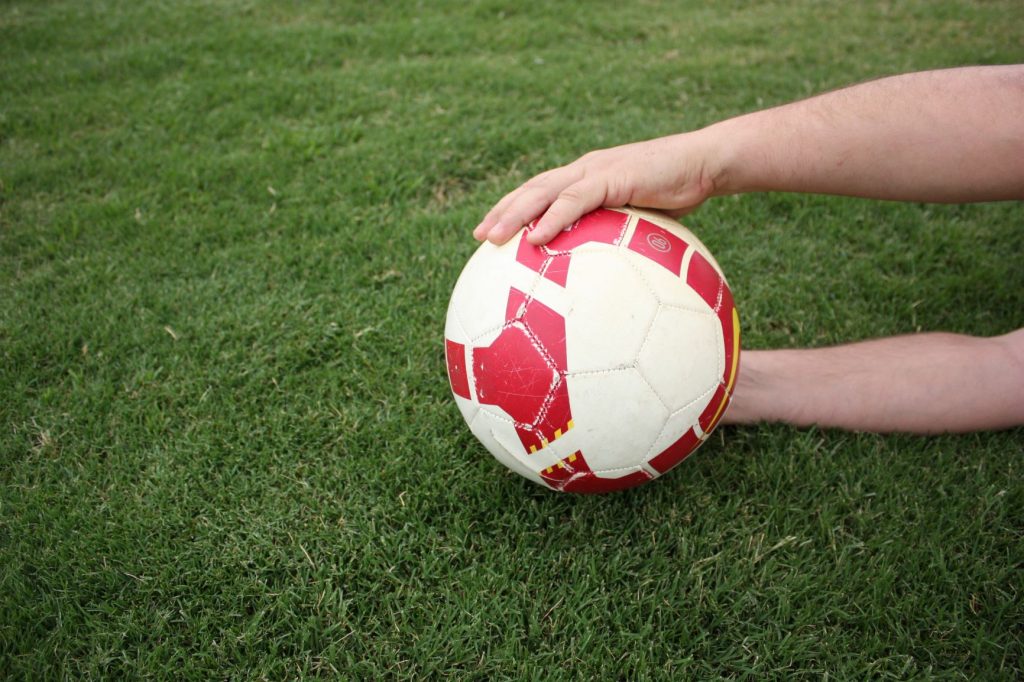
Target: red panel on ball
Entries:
(602, 226)
(658, 244)
(531, 256)
(705, 280)
(515, 306)
(549, 329)
(713, 412)
(552, 260)
(523, 371)
(456, 356)
(730, 335)
(594, 484)
(677, 452)
(573, 475)
(513, 374)
(557, 269)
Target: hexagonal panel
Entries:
(610, 311)
(683, 355)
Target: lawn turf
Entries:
(228, 233)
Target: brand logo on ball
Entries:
(658, 242)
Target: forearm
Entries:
(945, 136)
(924, 383)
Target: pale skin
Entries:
(948, 136)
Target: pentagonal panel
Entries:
(616, 418)
(610, 311)
(682, 356)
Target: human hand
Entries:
(675, 174)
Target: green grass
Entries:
(228, 233)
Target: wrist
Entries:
(752, 400)
(728, 144)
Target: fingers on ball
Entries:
(570, 205)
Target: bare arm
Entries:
(924, 383)
(945, 136)
(952, 135)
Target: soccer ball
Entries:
(598, 361)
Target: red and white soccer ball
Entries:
(598, 361)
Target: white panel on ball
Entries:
(611, 311)
(682, 355)
(478, 300)
(618, 415)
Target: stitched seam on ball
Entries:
(707, 311)
(533, 426)
(647, 455)
(590, 372)
(654, 391)
(702, 396)
(550, 362)
(643, 277)
(539, 347)
(617, 469)
(700, 441)
(647, 333)
(479, 410)
(499, 417)
(696, 400)
(527, 297)
(515, 424)
(476, 413)
(721, 293)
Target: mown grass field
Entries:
(228, 233)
